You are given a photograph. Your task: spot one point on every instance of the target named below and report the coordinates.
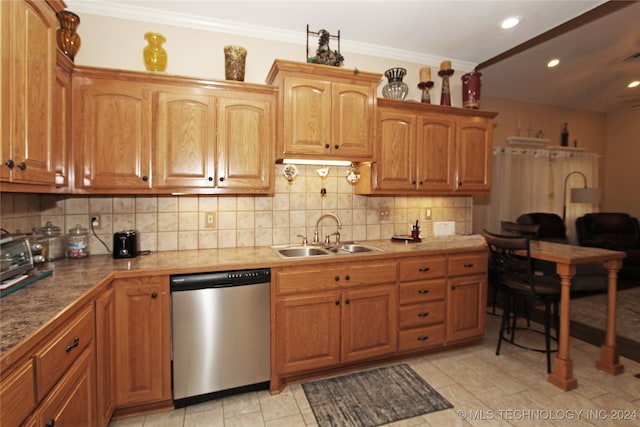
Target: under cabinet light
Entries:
(317, 162)
(633, 84)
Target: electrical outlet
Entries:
(210, 219)
(383, 213)
(428, 214)
(96, 220)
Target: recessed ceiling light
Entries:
(509, 23)
(552, 63)
(634, 83)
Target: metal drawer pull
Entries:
(423, 291)
(425, 314)
(76, 342)
(468, 265)
(424, 270)
(423, 338)
(50, 423)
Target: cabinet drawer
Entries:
(428, 290)
(62, 350)
(467, 264)
(17, 396)
(422, 268)
(333, 276)
(414, 315)
(422, 338)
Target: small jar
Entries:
(78, 242)
(52, 242)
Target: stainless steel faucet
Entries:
(316, 237)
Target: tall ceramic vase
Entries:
(66, 36)
(155, 57)
(471, 90)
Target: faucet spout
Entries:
(316, 238)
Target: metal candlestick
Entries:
(425, 86)
(445, 98)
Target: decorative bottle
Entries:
(155, 57)
(564, 137)
(66, 36)
(396, 88)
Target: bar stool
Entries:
(510, 259)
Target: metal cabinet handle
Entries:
(424, 269)
(337, 278)
(221, 179)
(327, 145)
(423, 338)
(145, 178)
(154, 295)
(50, 423)
(347, 301)
(210, 178)
(468, 265)
(425, 314)
(22, 166)
(337, 302)
(336, 146)
(423, 291)
(74, 344)
(347, 277)
(9, 163)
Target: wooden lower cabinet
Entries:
(17, 392)
(142, 340)
(105, 357)
(72, 402)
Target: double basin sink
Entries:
(345, 248)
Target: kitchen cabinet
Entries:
(424, 149)
(111, 134)
(142, 339)
(62, 120)
(17, 392)
(467, 296)
(28, 78)
(422, 310)
(105, 356)
(324, 112)
(333, 315)
(208, 137)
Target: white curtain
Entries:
(532, 180)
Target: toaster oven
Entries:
(16, 256)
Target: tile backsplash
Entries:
(167, 223)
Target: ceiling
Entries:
(592, 74)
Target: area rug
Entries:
(589, 314)
(372, 398)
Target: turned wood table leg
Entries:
(562, 375)
(609, 359)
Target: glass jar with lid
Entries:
(50, 236)
(78, 242)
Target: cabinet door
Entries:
(352, 120)
(395, 169)
(473, 155)
(143, 371)
(72, 402)
(369, 323)
(307, 116)
(185, 140)
(62, 126)
(307, 332)
(28, 79)
(245, 142)
(466, 304)
(435, 154)
(112, 136)
(105, 356)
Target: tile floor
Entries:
(505, 390)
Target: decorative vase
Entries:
(471, 90)
(234, 61)
(66, 36)
(155, 57)
(395, 88)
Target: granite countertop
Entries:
(27, 310)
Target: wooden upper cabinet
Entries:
(143, 133)
(245, 144)
(28, 45)
(112, 134)
(326, 112)
(185, 140)
(425, 149)
(473, 154)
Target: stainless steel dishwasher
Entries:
(220, 334)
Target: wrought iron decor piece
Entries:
(324, 54)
